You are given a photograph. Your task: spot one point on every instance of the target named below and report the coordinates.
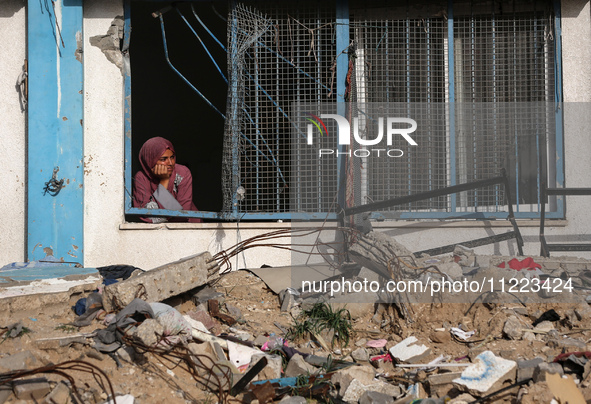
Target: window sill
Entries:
(467, 223)
(388, 224)
(204, 226)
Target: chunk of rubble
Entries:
(486, 372)
(163, 282)
(374, 397)
(356, 389)
(543, 369)
(513, 328)
(408, 351)
(344, 377)
(298, 366)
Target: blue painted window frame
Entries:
(342, 38)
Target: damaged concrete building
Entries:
(492, 86)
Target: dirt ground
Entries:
(153, 379)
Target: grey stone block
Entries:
(374, 397)
(31, 389)
(163, 282)
(525, 369)
(297, 366)
(539, 374)
(18, 361)
(293, 400)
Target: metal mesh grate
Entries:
(402, 59)
(503, 59)
(291, 61)
(498, 70)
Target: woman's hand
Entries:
(161, 171)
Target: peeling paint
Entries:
(46, 250)
(65, 118)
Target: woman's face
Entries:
(168, 159)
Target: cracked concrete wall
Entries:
(111, 43)
(12, 131)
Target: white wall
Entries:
(12, 132)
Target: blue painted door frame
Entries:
(55, 213)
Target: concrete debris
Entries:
(18, 361)
(356, 389)
(163, 282)
(360, 355)
(297, 366)
(513, 328)
(238, 334)
(31, 389)
(486, 372)
(374, 397)
(408, 351)
(543, 369)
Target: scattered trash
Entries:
(238, 343)
(463, 335)
(378, 343)
(549, 315)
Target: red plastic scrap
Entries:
(385, 357)
(578, 354)
(527, 263)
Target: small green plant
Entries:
(65, 328)
(321, 317)
(15, 330)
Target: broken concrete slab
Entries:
(360, 355)
(298, 366)
(272, 370)
(513, 328)
(149, 332)
(525, 369)
(486, 372)
(543, 369)
(59, 395)
(344, 377)
(31, 389)
(408, 351)
(356, 389)
(18, 361)
(163, 282)
(376, 249)
(374, 397)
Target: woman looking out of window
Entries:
(161, 183)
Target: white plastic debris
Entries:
(461, 333)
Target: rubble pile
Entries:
(196, 336)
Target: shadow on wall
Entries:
(11, 7)
(573, 8)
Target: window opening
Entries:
(478, 77)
